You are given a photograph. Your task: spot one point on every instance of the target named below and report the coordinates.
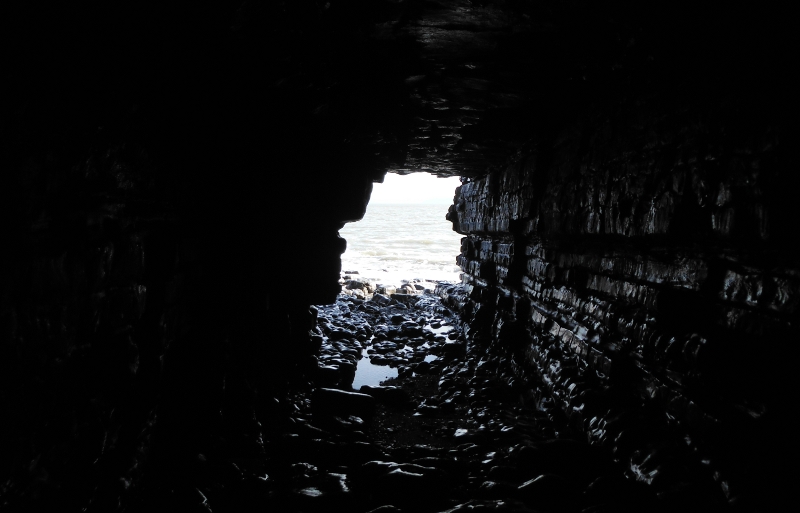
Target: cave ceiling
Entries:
(449, 87)
(472, 79)
(455, 87)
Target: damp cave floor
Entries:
(456, 434)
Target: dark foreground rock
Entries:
(332, 402)
(452, 432)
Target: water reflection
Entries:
(369, 374)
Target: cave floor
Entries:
(452, 432)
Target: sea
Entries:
(395, 242)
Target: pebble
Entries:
(483, 449)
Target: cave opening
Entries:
(404, 234)
(404, 244)
(175, 330)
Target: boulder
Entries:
(408, 289)
(394, 396)
(331, 401)
(362, 285)
(327, 375)
(407, 299)
(381, 299)
(347, 372)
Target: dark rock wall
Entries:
(640, 266)
(134, 333)
(174, 180)
(84, 291)
(173, 184)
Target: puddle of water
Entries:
(372, 375)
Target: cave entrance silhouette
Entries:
(404, 235)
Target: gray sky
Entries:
(414, 188)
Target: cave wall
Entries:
(139, 331)
(639, 267)
(174, 182)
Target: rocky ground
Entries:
(450, 433)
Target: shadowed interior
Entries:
(175, 179)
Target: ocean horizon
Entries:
(402, 241)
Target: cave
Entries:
(175, 178)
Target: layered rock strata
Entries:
(646, 284)
(175, 177)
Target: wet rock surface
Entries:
(652, 325)
(629, 205)
(452, 432)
